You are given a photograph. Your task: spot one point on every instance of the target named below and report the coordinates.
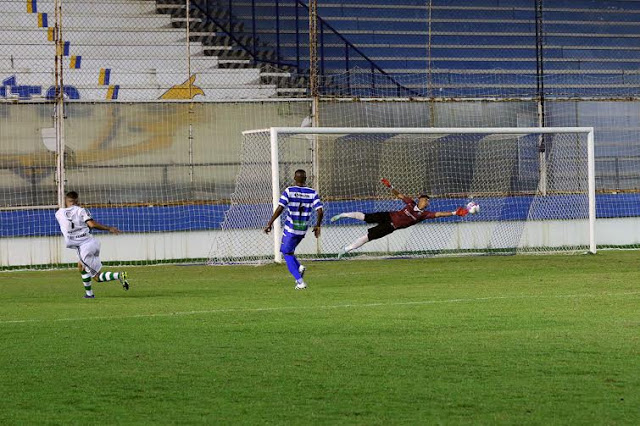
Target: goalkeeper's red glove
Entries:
(386, 183)
(461, 211)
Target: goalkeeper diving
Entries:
(388, 222)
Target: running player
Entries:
(76, 224)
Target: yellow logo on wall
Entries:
(185, 90)
(115, 132)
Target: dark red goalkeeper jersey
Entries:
(409, 215)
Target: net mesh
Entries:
(161, 172)
(520, 212)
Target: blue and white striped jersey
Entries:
(299, 201)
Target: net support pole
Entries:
(591, 165)
(59, 113)
(275, 191)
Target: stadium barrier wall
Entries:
(196, 245)
(95, 130)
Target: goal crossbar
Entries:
(420, 130)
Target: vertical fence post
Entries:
(313, 52)
(58, 116)
(188, 35)
(346, 67)
(373, 79)
(190, 134)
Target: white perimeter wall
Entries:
(198, 245)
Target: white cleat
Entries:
(300, 286)
(336, 217)
(301, 269)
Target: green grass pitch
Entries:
(473, 340)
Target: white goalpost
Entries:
(535, 187)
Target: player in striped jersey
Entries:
(299, 201)
(76, 224)
(388, 222)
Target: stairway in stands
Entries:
(218, 34)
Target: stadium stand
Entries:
(112, 47)
(579, 35)
(251, 49)
(466, 40)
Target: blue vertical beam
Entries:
(277, 30)
(253, 29)
(321, 49)
(298, 36)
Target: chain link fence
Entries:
(153, 95)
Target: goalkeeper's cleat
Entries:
(336, 217)
(342, 252)
(301, 286)
(86, 296)
(301, 269)
(123, 280)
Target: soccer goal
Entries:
(535, 188)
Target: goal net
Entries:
(535, 188)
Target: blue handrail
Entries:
(349, 45)
(252, 51)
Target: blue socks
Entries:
(293, 265)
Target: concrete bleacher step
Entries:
(222, 39)
(101, 51)
(225, 47)
(231, 52)
(100, 8)
(235, 63)
(175, 10)
(143, 78)
(24, 21)
(93, 63)
(291, 92)
(144, 50)
(170, 2)
(284, 79)
(217, 19)
(217, 41)
(225, 54)
(157, 37)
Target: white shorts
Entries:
(89, 255)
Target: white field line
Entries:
(321, 307)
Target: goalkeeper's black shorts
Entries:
(384, 227)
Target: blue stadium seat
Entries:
(483, 36)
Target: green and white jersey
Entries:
(73, 225)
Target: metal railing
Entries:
(277, 34)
